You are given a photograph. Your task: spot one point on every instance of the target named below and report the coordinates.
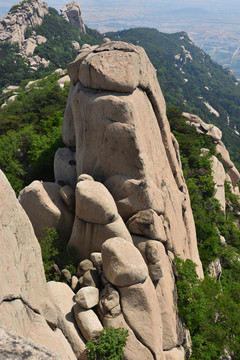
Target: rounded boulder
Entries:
(123, 264)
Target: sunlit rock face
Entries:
(72, 13)
(120, 188)
(116, 120)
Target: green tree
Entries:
(109, 346)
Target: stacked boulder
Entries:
(120, 190)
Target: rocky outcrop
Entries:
(72, 13)
(115, 108)
(26, 306)
(202, 127)
(222, 166)
(23, 15)
(27, 14)
(120, 177)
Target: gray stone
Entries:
(88, 322)
(90, 278)
(67, 276)
(123, 264)
(149, 224)
(87, 297)
(84, 266)
(96, 258)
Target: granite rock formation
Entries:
(121, 199)
(22, 15)
(29, 14)
(72, 13)
(120, 176)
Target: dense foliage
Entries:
(30, 130)
(209, 308)
(190, 79)
(109, 346)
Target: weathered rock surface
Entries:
(94, 203)
(65, 167)
(72, 13)
(12, 346)
(123, 264)
(140, 302)
(88, 322)
(110, 301)
(87, 237)
(87, 297)
(84, 266)
(175, 354)
(116, 116)
(219, 177)
(96, 219)
(149, 224)
(228, 164)
(26, 306)
(134, 350)
(45, 208)
(62, 297)
(202, 127)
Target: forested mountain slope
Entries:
(191, 81)
(58, 50)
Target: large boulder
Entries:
(88, 322)
(94, 203)
(44, 206)
(141, 310)
(123, 264)
(96, 218)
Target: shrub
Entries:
(109, 346)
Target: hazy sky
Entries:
(103, 13)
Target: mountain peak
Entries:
(72, 13)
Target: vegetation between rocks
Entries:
(109, 346)
(209, 308)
